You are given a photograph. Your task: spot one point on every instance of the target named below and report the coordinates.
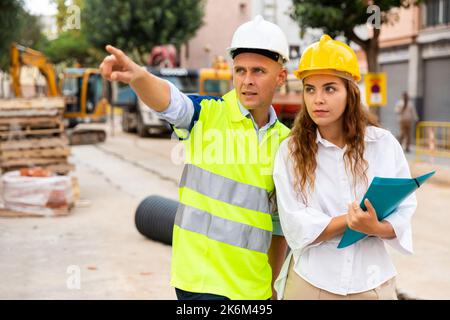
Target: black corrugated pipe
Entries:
(155, 217)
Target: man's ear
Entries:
(282, 76)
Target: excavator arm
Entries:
(86, 134)
(21, 56)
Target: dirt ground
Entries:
(96, 252)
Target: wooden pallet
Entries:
(30, 121)
(30, 113)
(62, 168)
(32, 103)
(5, 213)
(32, 133)
(35, 153)
(7, 135)
(59, 168)
(18, 125)
(35, 143)
(33, 162)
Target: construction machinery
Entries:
(216, 81)
(164, 56)
(86, 94)
(137, 117)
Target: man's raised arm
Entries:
(153, 91)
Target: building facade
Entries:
(221, 19)
(415, 55)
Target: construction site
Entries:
(69, 217)
(91, 176)
(95, 251)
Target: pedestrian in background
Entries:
(407, 118)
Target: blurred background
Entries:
(80, 156)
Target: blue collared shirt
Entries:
(181, 111)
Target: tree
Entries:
(17, 25)
(63, 9)
(70, 47)
(31, 34)
(60, 14)
(340, 18)
(138, 25)
(9, 15)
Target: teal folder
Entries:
(385, 194)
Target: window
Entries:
(437, 12)
(187, 83)
(432, 12)
(71, 93)
(446, 11)
(217, 87)
(94, 92)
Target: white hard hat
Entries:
(260, 34)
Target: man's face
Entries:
(256, 79)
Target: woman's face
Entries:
(325, 98)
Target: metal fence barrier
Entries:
(432, 139)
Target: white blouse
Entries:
(359, 267)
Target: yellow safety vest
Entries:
(223, 225)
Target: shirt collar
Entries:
(272, 115)
(371, 135)
(321, 140)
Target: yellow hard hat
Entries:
(328, 55)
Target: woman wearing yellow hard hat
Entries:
(321, 173)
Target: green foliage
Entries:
(17, 25)
(61, 14)
(328, 16)
(10, 25)
(336, 18)
(61, 8)
(134, 26)
(341, 17)
(31, 35)
(70, 47)
(138, 25)
(10, 11)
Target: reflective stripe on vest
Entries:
(227, 190)
(223, 225)
(223, 230)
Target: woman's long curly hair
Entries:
(303, 146)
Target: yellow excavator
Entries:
(85, 93)
(217, 80)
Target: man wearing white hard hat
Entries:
(224, 223)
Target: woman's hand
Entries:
(363, 221)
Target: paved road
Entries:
(41, 257)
